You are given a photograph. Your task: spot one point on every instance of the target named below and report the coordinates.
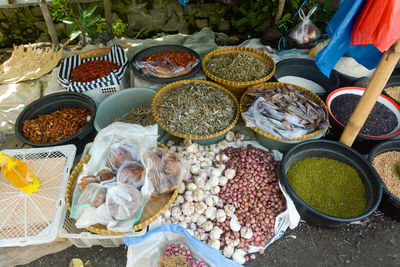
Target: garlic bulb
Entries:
(224, 158)
(191, 187)
(238, 256)
(222, 145)
(207, 226)
(203, 174)
(215, 172)
(205, 163)
(229, 210)
(198, 195)
(181, 218)
(191, 158)
(167, 214)
(246, 232)
(230, 173)
(213, 181)
(202, 219)
(179, 199)
(236, 242)
(193, 148)
(183, 224)
(190, 231)
(193, 226)
(195, 216)
(220, 204)
(223, 181)
(211, 213)
(221, 216)
(211, 201)
(200, 207)
(188, 208)
(195, 169)
(189, 196)
(214, 243)
(176, 212)
(182, 188)
(228, 251)
(216, 233)
(215, 190)
(221, 167)
(234, 225)
(188, 219)
(199, 181)
(230, 136)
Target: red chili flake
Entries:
(170, 59)
(92, 70)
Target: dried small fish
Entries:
(140, 115)
(284, 112)
(238, 67)
(197, 108)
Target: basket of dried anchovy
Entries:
(282, 114)
(237, 68)
(195, 109)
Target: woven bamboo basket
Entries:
(152, 210)
(245, 100)
(100, 52)
(158, 100)
(238, 88)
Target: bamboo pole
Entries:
(374, 89)
(279, 13)
(49, 22)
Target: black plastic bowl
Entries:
(164, 48)
(306, 68)
(336, 151)
(51, 103)
(392, 145)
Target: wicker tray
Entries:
(152, 210)
(238, 88)
(245, 100)
(158, 101)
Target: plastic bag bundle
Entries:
(305, 31)
(131, 173)
(119, 153)
(124, 202)
(94, 195)
(164, 171)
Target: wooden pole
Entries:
(374, 89)
(49, 23)
(107, 14)
(279, 13)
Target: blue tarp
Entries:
(339, 30)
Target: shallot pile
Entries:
(232, 198)
(178, 255)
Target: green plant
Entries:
(324, 13)
(160, 34)
(118, 27)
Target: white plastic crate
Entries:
(36, 218)
(99, 94)
(83, 238)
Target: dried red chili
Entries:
(56, 126)
(170, 59)
(92, 70)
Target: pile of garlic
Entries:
(197, 206)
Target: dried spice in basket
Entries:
(56, 126)
(387, 166)
(167, 64)
(394, 92)
(93, 70)
(283, 111)
(329, 186)
(238, 67)
(140, 115)
(197, 108)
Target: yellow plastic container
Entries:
(19, 174)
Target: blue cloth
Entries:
(339, 30)
(209, 253)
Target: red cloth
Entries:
(377, 23)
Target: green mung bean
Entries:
(329, 186)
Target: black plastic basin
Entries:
(336, 151)
(51, 103)
(306, 68)
(164, 48)
(392, 145)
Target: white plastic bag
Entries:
(148, 249)
(305, 31)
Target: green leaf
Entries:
(254, 23)
(91, 21)
(242, 21)
(67, 21)
(286, 17)
(294, 4)
(243, 11)
(72, 28)
(75, 34)
(266, 8)
(88, 11)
